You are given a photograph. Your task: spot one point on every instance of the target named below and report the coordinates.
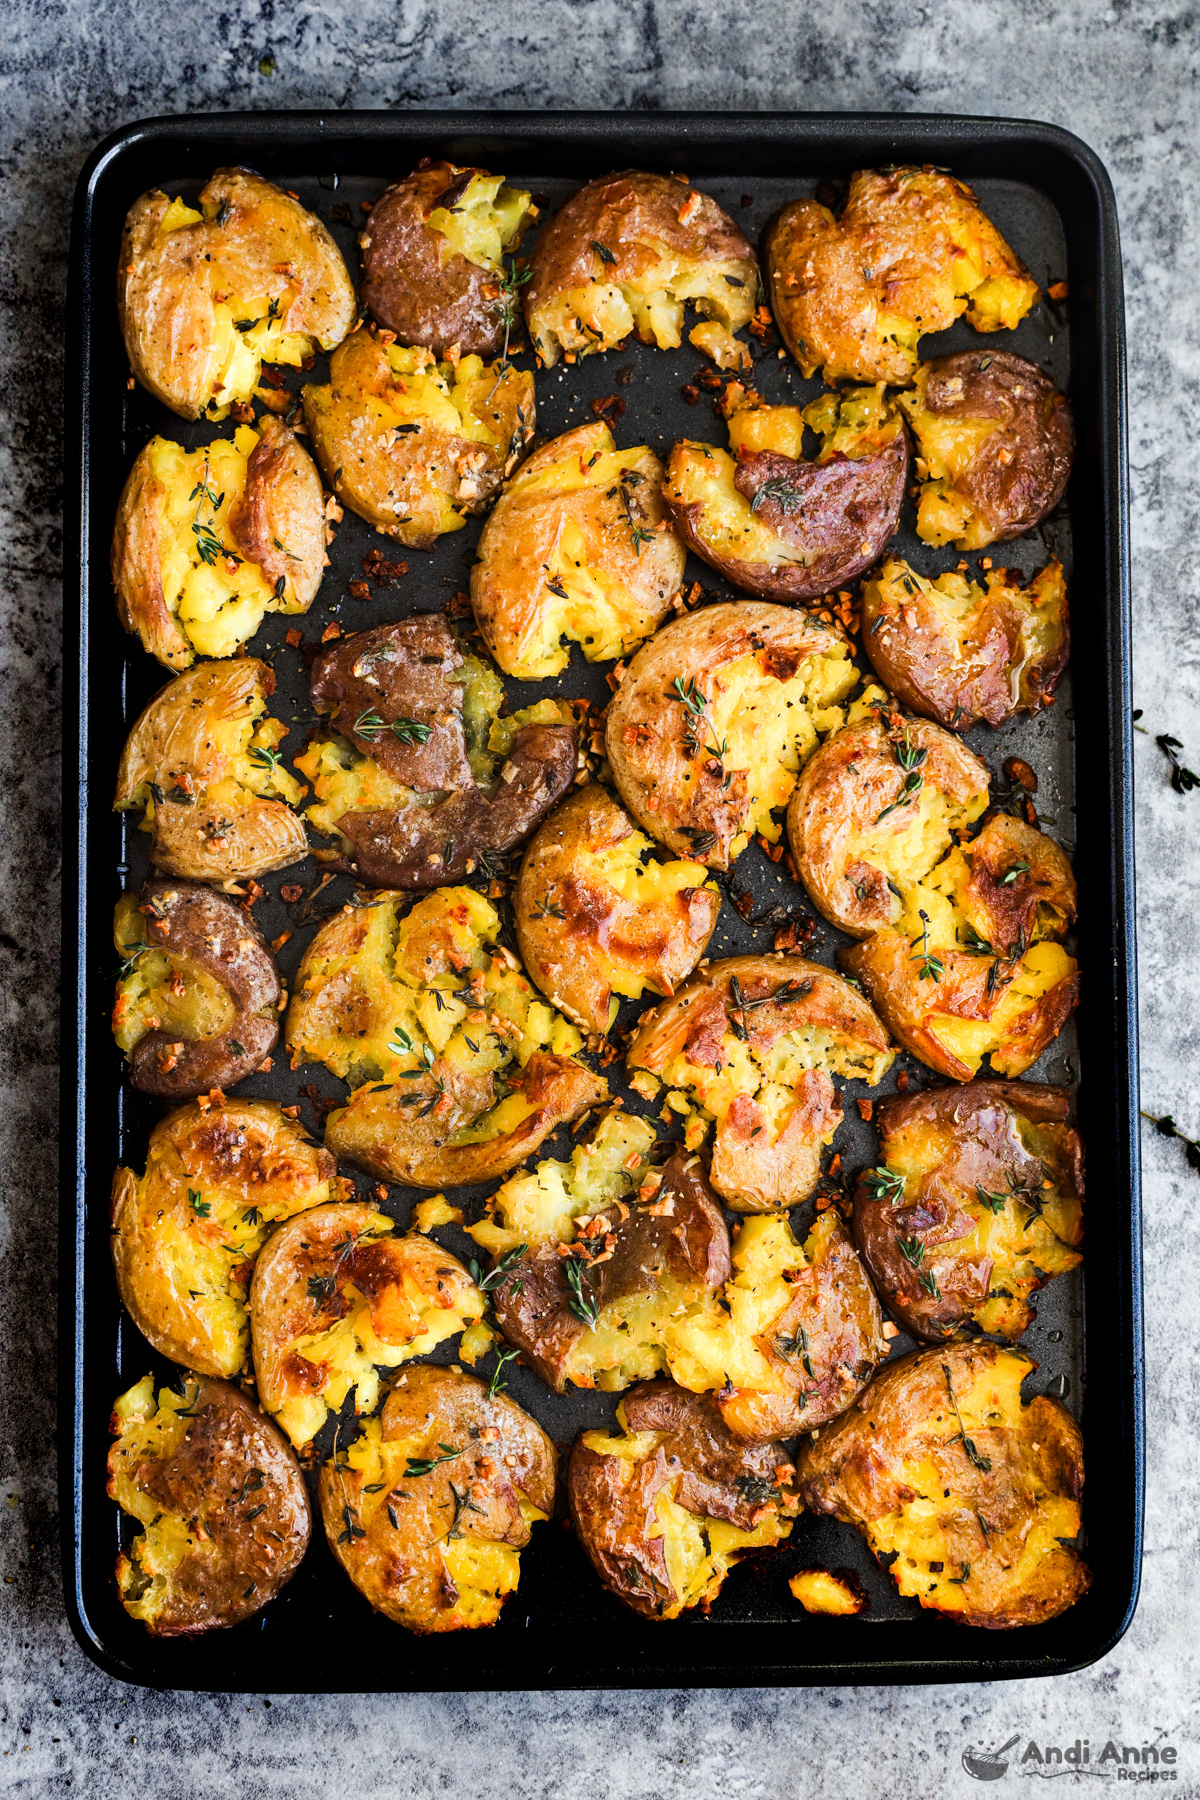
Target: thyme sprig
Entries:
(580, 1300)
(932, 967)
(1166, 1127)
(982, 1463)
(883, 1183)
(417, 1466)
(1183, 780)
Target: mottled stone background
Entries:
(1125, 79)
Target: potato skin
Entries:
(976, 1129)
(503, 1457)
(192, 925)
(254, 1534)
(636, 1246)
(648, 941)
(862, 1470)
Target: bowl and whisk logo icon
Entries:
(988, 1765)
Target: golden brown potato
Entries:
(975, 1204)
(336, 1298)
(753, 1043)
(429, 1508)
(460, 1071)
(222, 1504)
(433, 255)
(186, 1233)
(202, 764)
(414, 446)
(423, 780)
(198, 996)
(776, 524)
(795, 1337)
(823, 1591)
(995, 442)
(911, 251)
(208, 541)
(577, 548)
(974, 1494)
(625, 254)
(207, 294)
(666, 1509)
(960, 652)
(714, 719)
(598, 916)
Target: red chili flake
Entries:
(330, 632)
(272, 377)
(292, 637)
(361, 590)
(608, 407)
(866, 1109)
(1019, 771)
(902, 1081)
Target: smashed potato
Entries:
(336, 1298)
(598, 916)
(667, 1507)
(201, 763)
(625, 254)
(429, 1508)
(753, 1042)
(207, 294)
(221, 1501)
(822, 1591)
(911, 251)
(973, 1494)
(460, 1070)
(577, 547)
(415, 446)
(975, 1204)
(960, 652)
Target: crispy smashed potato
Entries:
(598, 916)
(577, 547)
(186, 1233)
(207, 294)
(460, 1070)
(960, 652)
(198, 996)
(715, 718)
(624, 255)
(423, 779)
(975, 1204)
(753, 1042)
(995, 442)
(208, 541)
(910, 253)
(433, 254)
(775, 523)
(415, 446)
(201, 763)
(221, 1501)
(336, 1298)
(823, 1591)
(667, 1507)
(429, 1508)
(975, 1495)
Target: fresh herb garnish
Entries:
(496, 1385)
(425, 1465)
(997, 1202)
(982, 1463)
(369, 724)
(504, 1268)
(1183, 780)
(321, 1289)
(603, 252)
(202, 1208)
(410, 731)
(581, 1302)
(545, 909)
(883, 1184)
(1166, 1127)
(912, 1250)
(932, 967)
(780, 490)
(1010, 875)
(268, 760)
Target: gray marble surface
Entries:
(1124, 77)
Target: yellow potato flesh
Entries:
(595, 317)
(484, 220)
(542, 1204)
(818, 1591)
(160, 990)
(144, 1576)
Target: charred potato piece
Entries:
(994, 439)
(977, 1201)
(412, 445)
(615, 1253)
(598, 916)
(795, 1337)
(624, 255)
(460, 1071)
(221, 1501)
(753, 1043)
(198, 999)
(433, 255)
(974, 1494)
(207, 294)
(185, 1233)
(202, 764)
(576, 548)
(840, 1594)
(715, 718)
(430, 1507)
(198, 553)
(423, 779)
(911, 251)
(960, 652)
(666, 1508)
(336, 1298)
(777, 524)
